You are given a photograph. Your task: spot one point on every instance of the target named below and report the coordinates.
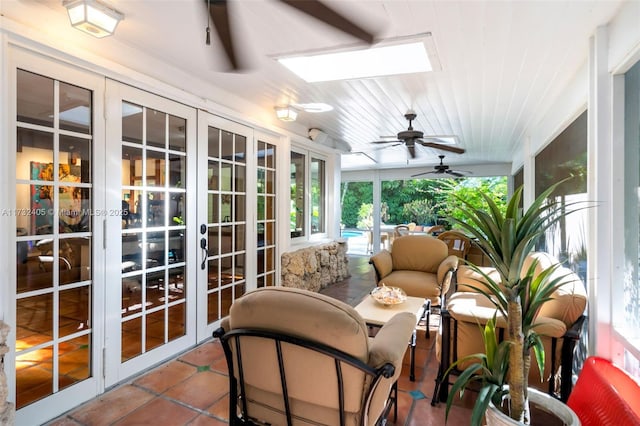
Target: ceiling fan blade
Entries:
(412, 150)
(442, 147)
(459, 173)
(324, 13)
(424, 173)
(219, 13)
(393, 142)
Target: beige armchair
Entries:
(302, 358)
(560, 321)
(418, 264)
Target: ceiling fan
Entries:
(219, 13)
(411, 137)
(441, 168)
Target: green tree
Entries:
(352, 196)
(403, 200)
(472, 191)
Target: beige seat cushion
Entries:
(418, 253)
(473, 310)
(414, 283)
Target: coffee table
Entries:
(376, 315)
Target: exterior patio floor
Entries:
(192, 389)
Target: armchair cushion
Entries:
(418, 253)
(415, 283)
(383, 263)
(303, 314)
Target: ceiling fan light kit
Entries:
(411, 137)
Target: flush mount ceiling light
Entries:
(404, 57)
(93, 17)
(286, 113)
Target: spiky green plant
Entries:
(507, 239)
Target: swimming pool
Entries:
(351, 234)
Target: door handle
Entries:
(205, 252)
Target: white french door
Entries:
(226, 226)
(150, 227)
(139, 220)
(56, 288)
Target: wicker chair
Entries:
(458, 243)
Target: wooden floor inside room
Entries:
(192, 389)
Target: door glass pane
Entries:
(53, 270)
(132, 119)
(240, 178)
(156, 127)
(35, 147)
(75, 355)
(214, 175)
(75, 108)
(155, 168)
(77, 302)
(35, 99)
(177, 321)
(177, 133)
(177, 170)
(226, 145)
(240, 148)
(76, 153)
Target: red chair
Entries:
(605, 395)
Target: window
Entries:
(566, 156)
(297, 194)
(629, 322)
(317, 196)
(308, 195)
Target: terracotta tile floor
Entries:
(192, 388)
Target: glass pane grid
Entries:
(226, 216)
(266, 212)
(154, 171)
(53, 217)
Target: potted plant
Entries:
(507, 239)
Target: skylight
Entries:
(373, 62)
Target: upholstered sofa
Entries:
(418, 264)
(559, 322)
(303, 358)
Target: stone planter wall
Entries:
(7, 411)
(314, 268)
